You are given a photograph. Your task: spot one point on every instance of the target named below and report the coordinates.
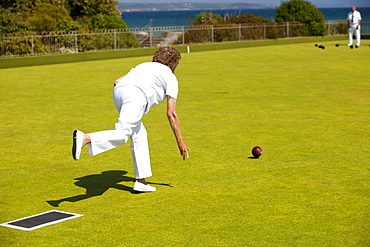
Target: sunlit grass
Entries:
(306, 107)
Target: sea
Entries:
(138, 19)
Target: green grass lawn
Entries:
(306, 107)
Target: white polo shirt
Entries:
(154, 79)
(354, 17)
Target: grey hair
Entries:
(168, 56)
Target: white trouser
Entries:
(131, 103)
(354, 30)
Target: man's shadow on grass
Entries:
(97, 184)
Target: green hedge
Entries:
(13, 62)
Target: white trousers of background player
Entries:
(354, 30)
(131, 103)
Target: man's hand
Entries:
(184, 150)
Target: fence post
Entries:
(183, 35)
(76, 48)
(287, 29)
(115, 39)
(150, 36)
(212, 34)
(264, 31)
(32, 53)
(240, 32)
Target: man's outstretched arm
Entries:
(175, 126)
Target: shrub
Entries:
(304, 12)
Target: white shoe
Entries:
(143, 187)
(78, 138)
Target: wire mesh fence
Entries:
(65, 42)
(77, 41)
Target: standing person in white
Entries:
(354, 26)
(145, 86)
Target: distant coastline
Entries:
(132, 7)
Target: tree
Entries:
(247, 18)
(304, 12)
(259, 31)
(59, 15)
(81, 8)
(208, 18)
(48, 17)
(12, 22)
(103, 21)
(76, 8)
(18, 6)
(24, 16)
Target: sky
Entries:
(317, 3)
